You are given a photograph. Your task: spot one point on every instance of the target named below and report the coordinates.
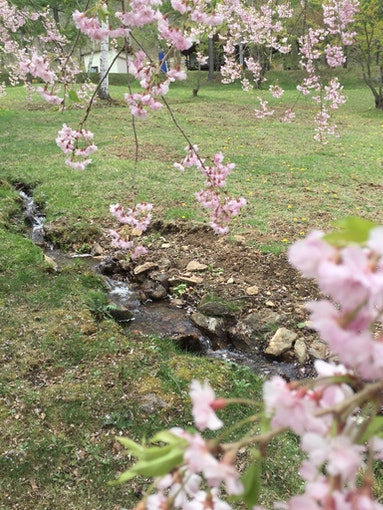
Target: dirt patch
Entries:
(228, 271)
(233, 266)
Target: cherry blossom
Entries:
(204, 405)
(69, 141)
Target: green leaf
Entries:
(251, 481)
(102, 13)
(351, 230)
(374, 428)
(73, 96)
(167, 437)
(156, 452)
(134, 448)
(158, 466)
(125, 477)
(161, 465)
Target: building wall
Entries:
(119, 65)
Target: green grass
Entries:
(69, 384)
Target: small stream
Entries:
(163, 319)
(160, 318)
(33, 217)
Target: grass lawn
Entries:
(68, 384)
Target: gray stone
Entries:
(145, 268)
(151, 403)
(190, 280)
(154, 290)
(300, 350)
(215, 309)
(213, 327)
(194, 265)
(249, 331)
(252, 291)
(281, 342)
(108, 266)
(262, 320)
(161, 278)
(318, 350)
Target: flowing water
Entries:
(33, 217)
(159, 318)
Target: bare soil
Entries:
(233, 267)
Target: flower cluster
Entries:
(353, 277)
(38, 66)
(222, 208)
(76, 143)
(138, 220)
(95, 30)
(264, 109)
(153, 82)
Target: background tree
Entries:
(368, 48)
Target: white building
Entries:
(93, 60)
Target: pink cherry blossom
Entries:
(340, 456)
(203, 399)
(307, 254)
(292, 408)
(199, 459)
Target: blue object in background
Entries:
(161, 58)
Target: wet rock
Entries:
(121, 314)
(215, 309)
(190, 342)
(243, 337)
(108, 266)
(154, 290)
(194, 265)
(281, 342)
(300, 350)
(213, 327)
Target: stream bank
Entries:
(214, 296)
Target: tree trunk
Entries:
(103, 91)
(56, 15)
(379, 101)
(241, 55)
(211, 59)
(90, 63)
